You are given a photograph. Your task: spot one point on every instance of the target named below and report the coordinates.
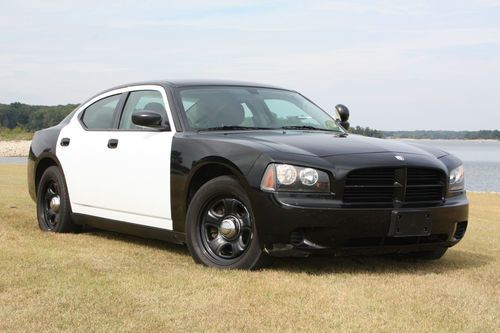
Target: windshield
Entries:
(226, 108)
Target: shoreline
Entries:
(426, 139)
(19, 157)
(20, 148)
(14, 148)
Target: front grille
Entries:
(385, 185)
(424, 185)
(370, 185)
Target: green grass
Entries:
(17, 133)
(100, 281)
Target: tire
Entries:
(53, 206)
(430, 255)
(220, 227)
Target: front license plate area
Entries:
(410, 223)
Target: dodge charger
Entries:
(241, 172)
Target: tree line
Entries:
(367, 131)
(35, 117)
(32, 117)
(427, 134)
(458, 135)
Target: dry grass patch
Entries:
(100, 281)
(15, 134)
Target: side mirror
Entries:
(148, 119)
(343, 113)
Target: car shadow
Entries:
(454, 259)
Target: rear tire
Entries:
(220, 227)
(53, 206)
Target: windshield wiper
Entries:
(234, 127)
(307, 127)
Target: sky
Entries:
(397, 65)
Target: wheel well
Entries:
(40, 169)
(205, 174)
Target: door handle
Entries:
(112, 143)
(65, 142)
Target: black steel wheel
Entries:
(226, 228)
(53, 206)
(220, 227)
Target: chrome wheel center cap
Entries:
(55, 203)
(228, 228)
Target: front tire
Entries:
(53, 206)
(220, 227)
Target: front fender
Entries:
(190, 154)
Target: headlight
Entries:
(291, 178)
(457, 179)
(286, 174)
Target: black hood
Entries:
(323, 144)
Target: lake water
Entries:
(13, 160)
(481, 161)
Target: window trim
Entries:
(124, 92)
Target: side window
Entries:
(149, 100)
(100, 114)
(286, 113)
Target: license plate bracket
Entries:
(407, 223)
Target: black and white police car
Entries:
(241, 171)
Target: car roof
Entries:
(206, 82)
(179, 83)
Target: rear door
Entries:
(120, 171)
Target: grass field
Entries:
(100, 281)
(15, 134)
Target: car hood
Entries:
(323, 144)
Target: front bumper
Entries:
(358, 230)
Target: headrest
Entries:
(153, 106)
(216, 110)
(231, 113)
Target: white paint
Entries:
(130, 183)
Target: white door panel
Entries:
(140, 176)
(130, 183)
